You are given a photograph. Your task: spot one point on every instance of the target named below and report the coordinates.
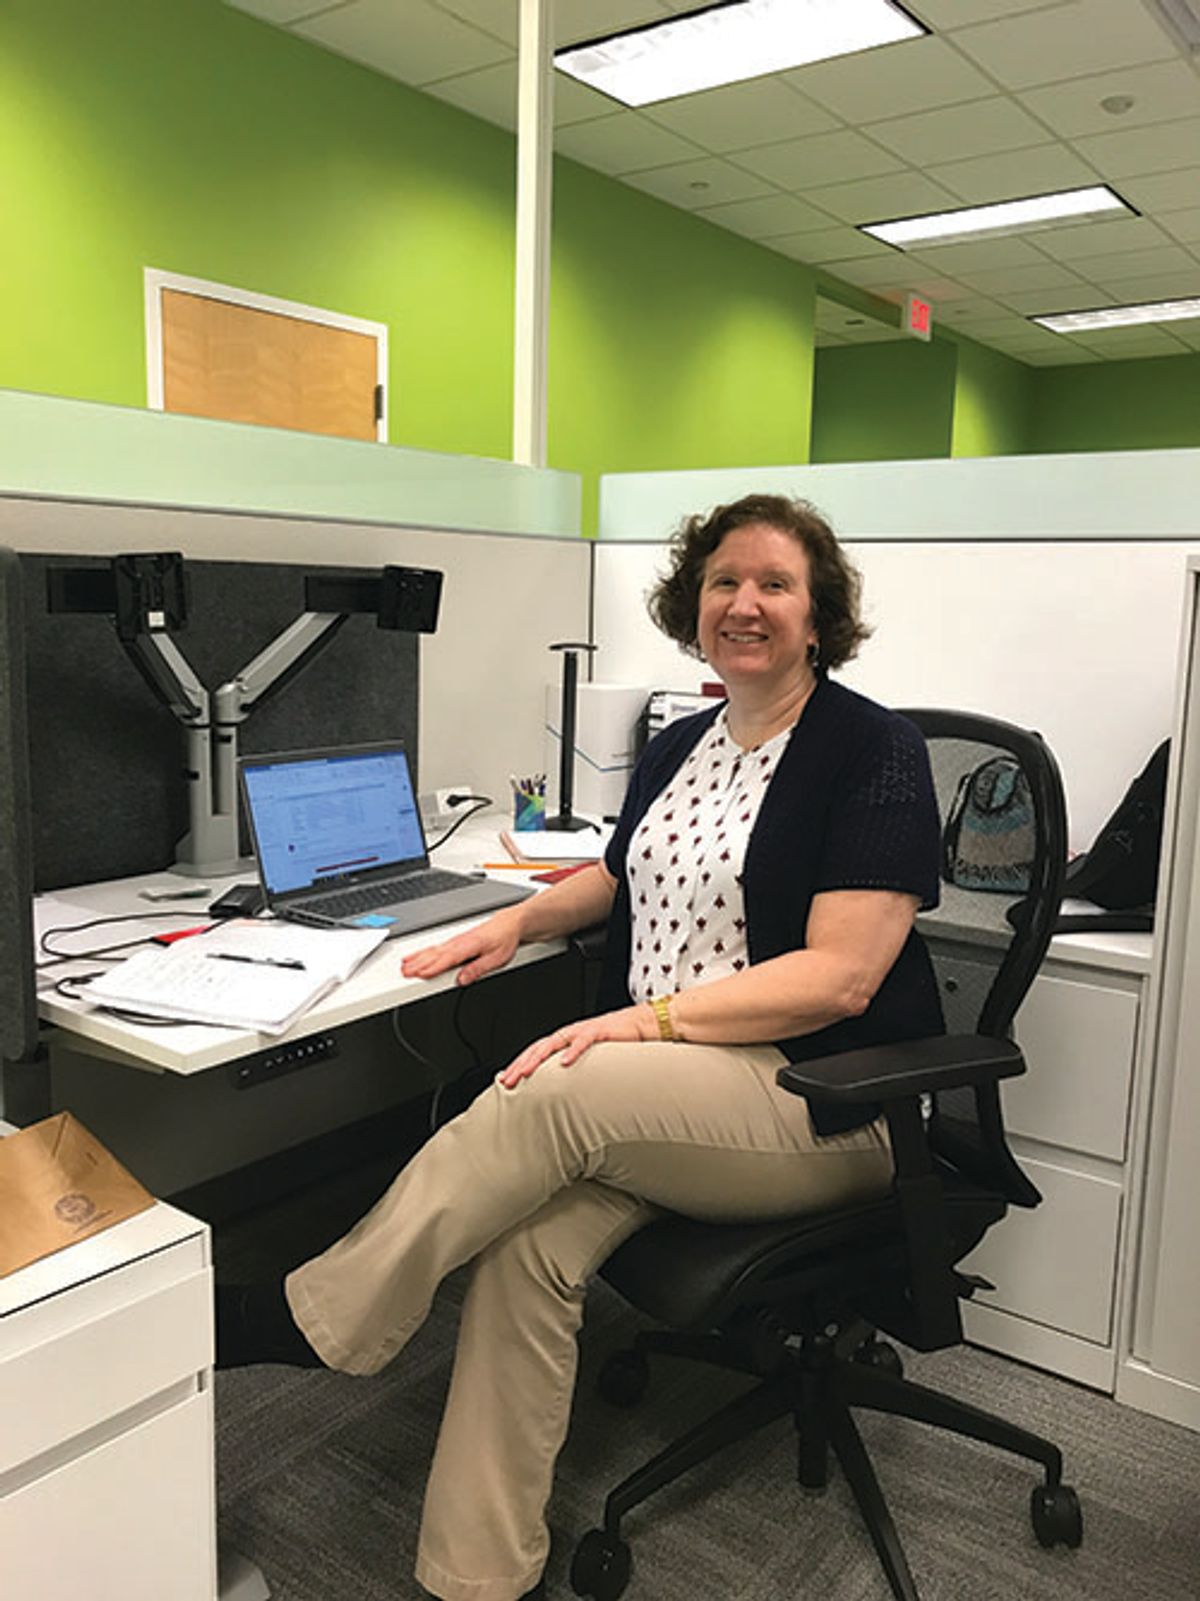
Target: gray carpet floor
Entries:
(321, 1476)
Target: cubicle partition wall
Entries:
(18, 1010)
(107, 759)
(1045, 590)
(470, 698)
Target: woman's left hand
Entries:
(569, 1042)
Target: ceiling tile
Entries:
(1129, 152)
(972, 315)
(1037, 275)
(947, 15)
(766, 217)
(979, 255)
(821, 158)
(1159, 286)
(419, 46)
(1161, 91)
(1164, 191)
(830, 244)
(573, 19)
(692, 184)
(1131, 342)
(975, 129)
(1158, 259)
(897, 273)
(622, 143)
(904, 194)
(741, 115)
(282, 12)
(1183, 225)
(1082, 239)
(1042, 302)
(907, 77)
(491, 93)
(1066, 41)
(998, 327)
(1065, 354)
(1013, 174)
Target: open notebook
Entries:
(249, 975)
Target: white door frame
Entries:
(156, 281)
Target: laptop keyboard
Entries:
(367, 897)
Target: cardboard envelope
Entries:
(58, 1185)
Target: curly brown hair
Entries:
(834, 583)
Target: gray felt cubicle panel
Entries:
(106, 759)
(18, 1005)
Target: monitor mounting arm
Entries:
(146, 596)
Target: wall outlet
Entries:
(442, 805)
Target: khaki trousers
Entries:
(538, 1185)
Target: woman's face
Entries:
(755, 622)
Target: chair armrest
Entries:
(589, 943)
(908, 1067)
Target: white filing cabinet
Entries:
(106, 1449)
(1058, 1267)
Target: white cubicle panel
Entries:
(505, 600)
(1077, 640)
(1162, 1370)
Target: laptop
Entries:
(340, 844)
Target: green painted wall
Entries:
(993, 403)
(886, 402)
(1119, 405)
(190, 137)
(673, 343)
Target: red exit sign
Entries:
(918, 317)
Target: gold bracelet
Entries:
(660, 1005)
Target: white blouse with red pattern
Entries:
(685, 865)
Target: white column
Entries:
(535, 144)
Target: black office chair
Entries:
(799, 1304)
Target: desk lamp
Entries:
(566, 821)
(146, 595)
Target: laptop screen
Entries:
(331, 815)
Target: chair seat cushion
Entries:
(691, 1275)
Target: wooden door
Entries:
(246, 365)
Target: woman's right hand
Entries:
(475, 953)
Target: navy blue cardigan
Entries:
(850, 806)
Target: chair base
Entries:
(818, 1380)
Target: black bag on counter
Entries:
(1120, 872)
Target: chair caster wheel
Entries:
(879, 1354)
(624, 1378)
(1057, 1516)
(601, 1566)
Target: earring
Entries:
(814, 653)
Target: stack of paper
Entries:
(258, 975)
(549, 845)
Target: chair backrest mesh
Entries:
(984, 960)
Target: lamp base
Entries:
(567, 825)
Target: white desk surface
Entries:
(377, 986)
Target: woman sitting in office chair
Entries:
(760, 891)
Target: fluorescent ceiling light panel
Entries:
(730, 42)
(1077, 322)
(1004, 217)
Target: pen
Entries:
(257, 961)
